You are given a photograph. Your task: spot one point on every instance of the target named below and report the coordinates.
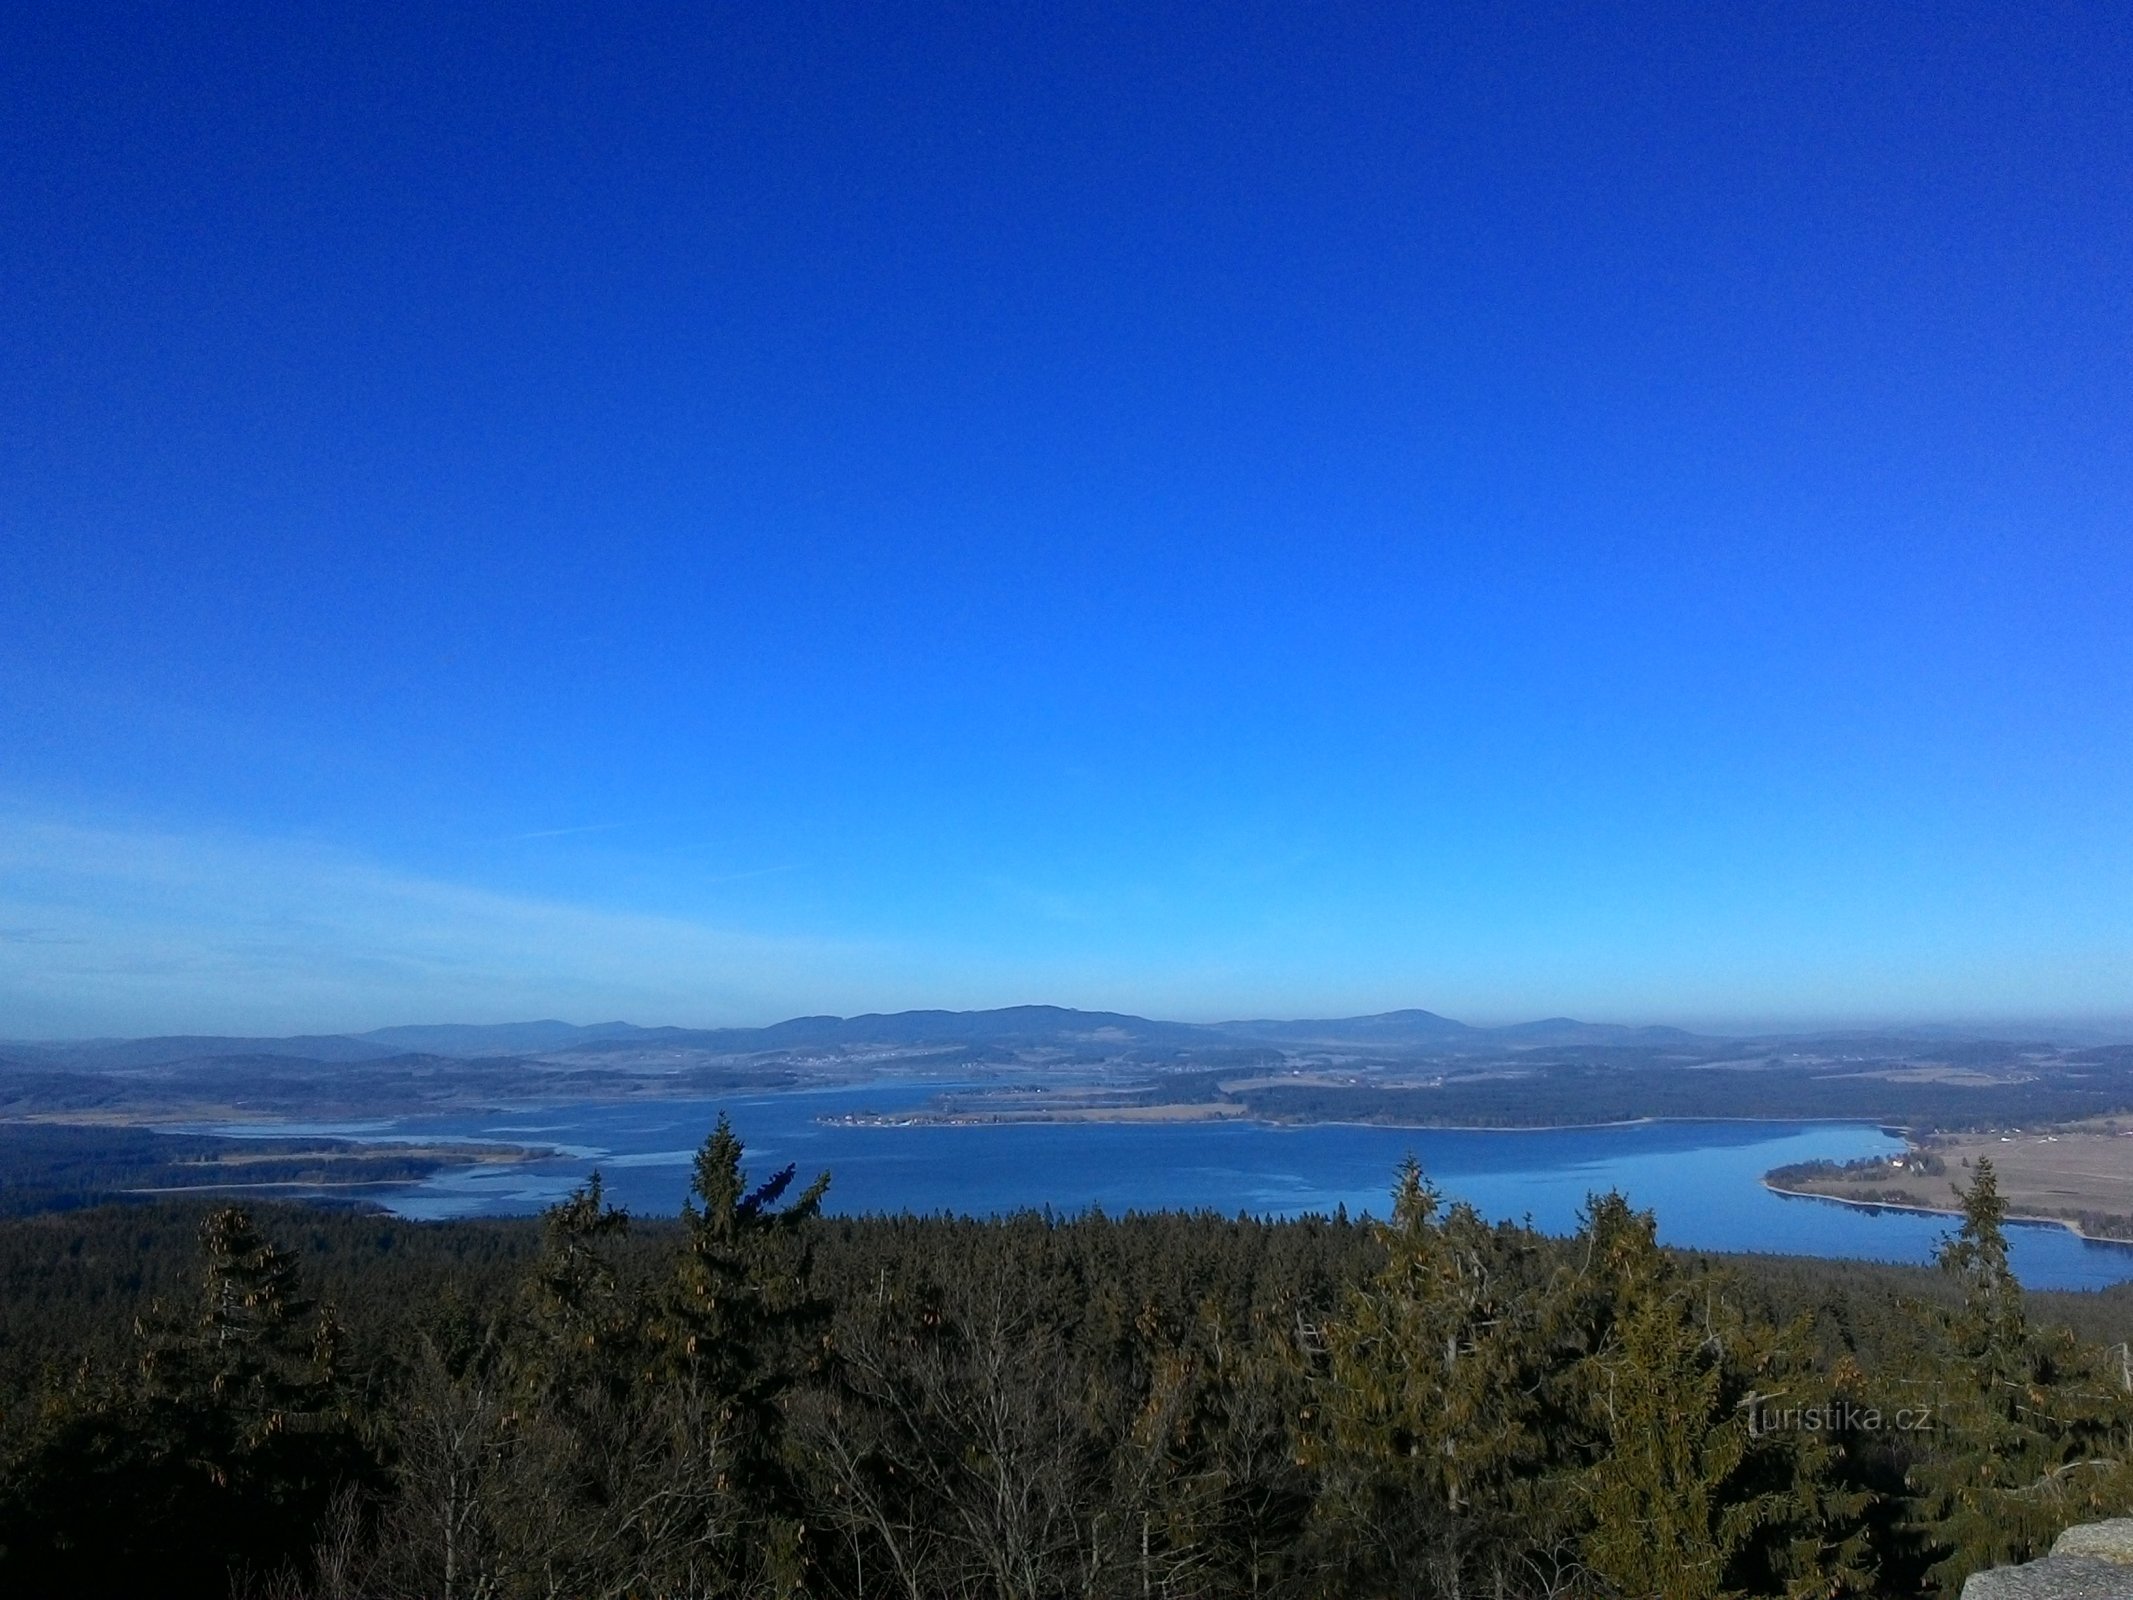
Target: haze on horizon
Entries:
(709, 517)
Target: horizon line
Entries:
(1980, 1029)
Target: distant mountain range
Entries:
(1027, 1027)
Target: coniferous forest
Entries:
(758, 1399)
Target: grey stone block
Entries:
(2054, 1578)
(2105, 1541)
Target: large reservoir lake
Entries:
(1702, 1179)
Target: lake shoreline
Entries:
(2068, 1223)
(906, 1120)
(1701, 1175)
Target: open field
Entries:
(2080, 1175)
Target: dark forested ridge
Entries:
(757, 1399)
(1549, 1089)
(46, 1166)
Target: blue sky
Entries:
(708, 513)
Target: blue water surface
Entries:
(1702, 1179)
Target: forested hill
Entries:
(1404, 1033)
(1405, 1066)
(755, 1399)
(1033, 1026)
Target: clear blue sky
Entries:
(711, 512)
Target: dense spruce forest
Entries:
(757, 1399)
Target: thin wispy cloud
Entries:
(119, 929)
(565, 833)
(755, 872)
(140, 930)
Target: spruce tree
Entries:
(1688, 1499)
(2029, 1432)
(580, 1453)
(1993, 1327)
(738, 1329)
(216, 1454)
(1428, 1438)
(582, 1323)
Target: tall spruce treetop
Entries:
(1992, 1490)
(583, 1322)
(256, 1347)
(740, 1292)
(2031, 1430)
(1428, 1437)
(1994, 1327)
(729, 1207)
(1687, 1501)
(740, 1328)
